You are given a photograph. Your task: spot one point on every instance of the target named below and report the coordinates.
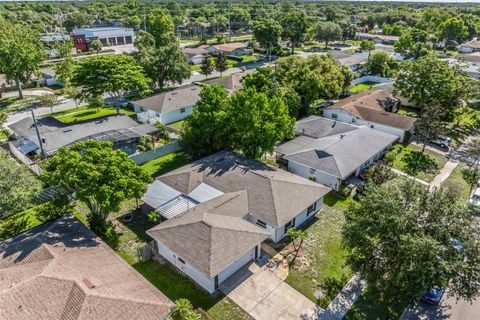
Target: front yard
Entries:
(411, 161)
(86, 113)
(362, 87)
(455, 183)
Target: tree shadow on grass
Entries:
(417, 162)
(331, 287)
(139, 224)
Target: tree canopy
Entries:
(295, 26)
(268, 33)
(328, 31)
(404, 239)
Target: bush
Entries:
(54, 209)
(11, 227)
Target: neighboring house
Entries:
(330, 152)
(50, 39)
(355, 62)
(219, 209)
(470, 46)
(48, 77)
(121, 130)
(231, 49)
(108, 36)
(232, 83)
(369, 108)
(378, 38)
(470, 68)
(62, 270)
(169, 106)
(195, 55)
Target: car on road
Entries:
(475, 198)
(443, 142)
(433, 295)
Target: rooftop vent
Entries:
(89, 283)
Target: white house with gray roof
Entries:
(329, 152)
(219, 209)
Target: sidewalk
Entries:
(339, 307)
(444, 174)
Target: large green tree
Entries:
(21, 53)
(429, 81)
(327, 31)
(115, 75)
(18, 186)
(98, 175)
(295, 26)
(268, 33)
(257, 122)
(453, 31)
(382, 64)
(404, 240)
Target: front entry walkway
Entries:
(266, 297)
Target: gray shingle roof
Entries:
(274, 196)
(317, 127)
(212, 235)
(339, 154)
(43, 275)
(179, 98)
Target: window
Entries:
(261, 224)
(216, 282)
(311, 208)
(353, 119)
(79, 40)
(182, 110)
(181, 260)
(334, 116)
(128, 39)
(289, 225)
(371, 126)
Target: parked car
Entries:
(443, 142)
(111, 102)
(475, 198)
(433, 295)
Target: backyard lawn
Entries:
(176, 125)
(411, 161)
(166, 163)
(323, 265)
(362, 86)
(86, 113)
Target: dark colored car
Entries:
(433, 296)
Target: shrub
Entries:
(54, 209)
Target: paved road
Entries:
(461, 153)
(449, 308)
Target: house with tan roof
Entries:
(470, 46)
(230, 49)
(219, 209)
(370, 108)
(62, 270)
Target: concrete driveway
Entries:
(265, 297)
(449, 308)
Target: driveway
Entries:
(265, 297)
(449, 308)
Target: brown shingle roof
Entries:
(212, 235)
(171, 100)
(229, 47)
(368, 105)
(43, 273)
(274, 196)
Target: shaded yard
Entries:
(411, 161)
(462, 125)
(455, 183)
(166, 163)
(323, 266)
(362, 86)
(372, 305)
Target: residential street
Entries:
(449, 308)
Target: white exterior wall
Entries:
(320, 176)
(346, 117)
(146, 115)
(466, 49)
(176, 115)
(199, 277)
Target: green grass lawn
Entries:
(195, 67)
(323, 267)
(411, 161)
(408, 111)
(176, 125)
(333, 201)
(166, 163)
(88, 113)
(362, 87)
(10, 103)
(456, 184)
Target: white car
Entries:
(475, 198)
(443, 142)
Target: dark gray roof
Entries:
(339, 154)
(58, 134)
(318, 127)
(274, 196)
(213, 234)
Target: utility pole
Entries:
(38, 134)
(144, 21)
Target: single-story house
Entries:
(121, 130)
(230, 49)
(370, 108)
(48, 77)
(169, 106)
(329, 152)
(378, 38)
(232, 83)
(195, 55)
(470, 46)
(62, 270)
(355, 62)
(470, 68)
(219, 209)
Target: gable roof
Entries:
(339, 154)
(475, 43)
(273, 195)
(232, 83)
(229, 47)
(368, 105)
(179, 98)
(213, 234)
(61, 270)
(192, 52)
(317, 127)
